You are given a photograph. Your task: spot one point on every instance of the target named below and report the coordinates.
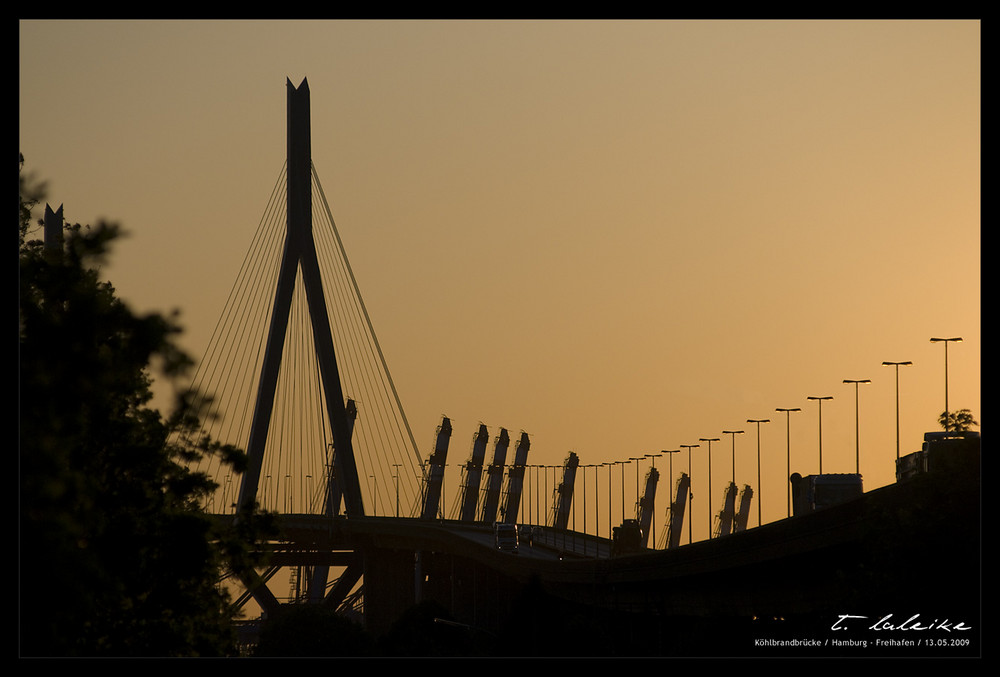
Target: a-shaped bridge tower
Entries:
(296, 377)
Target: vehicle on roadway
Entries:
(505, 537)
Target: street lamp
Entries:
(636, 486)
(857, 421)
(788, 454)
(539, 517)
(526, 491)
(546, 497)
(610, 464)
(945, 341)
(734, 433)
(597, 504)
(670, 483)
(820, 400)
(709, 440)
(652, 511)
(670, 478)
(897, 365)
(442, 501)
(396, 477)
(760, 490)
(623, 464)
(689, 447)
(597, 501)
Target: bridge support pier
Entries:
(390, 586)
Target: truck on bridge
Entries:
(627, 538)
(505, 537)
(938, 453)
(815, 492)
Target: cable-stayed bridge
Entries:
(296, 375)
(298, 452)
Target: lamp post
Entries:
(529, 486)
(734, 433)
(652, 511)
(636, 487)
(546, 496)
(442, 501)
(820, 401)
(526, 489)
(597, 501)
(396, 477)
(623, 464)
(760, 489)
(539, 517)
(670, 480)
(610, 464)
(946, 341)
(897, 365)
(857, 421)
(670, 485)
(689, 447)
(709, 440)
(555, 488)
(671, 457)
(788, 454)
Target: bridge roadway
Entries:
(707, 577)
(854, 553)
(304, 533)
(911, 547)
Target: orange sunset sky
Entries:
(618, 236)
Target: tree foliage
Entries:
(116, 556)
(957, 421)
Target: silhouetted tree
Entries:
(116, 558)
(957, 421)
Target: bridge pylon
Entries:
(300, 253)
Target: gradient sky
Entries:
(619, 237)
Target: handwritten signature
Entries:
(914, 623)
